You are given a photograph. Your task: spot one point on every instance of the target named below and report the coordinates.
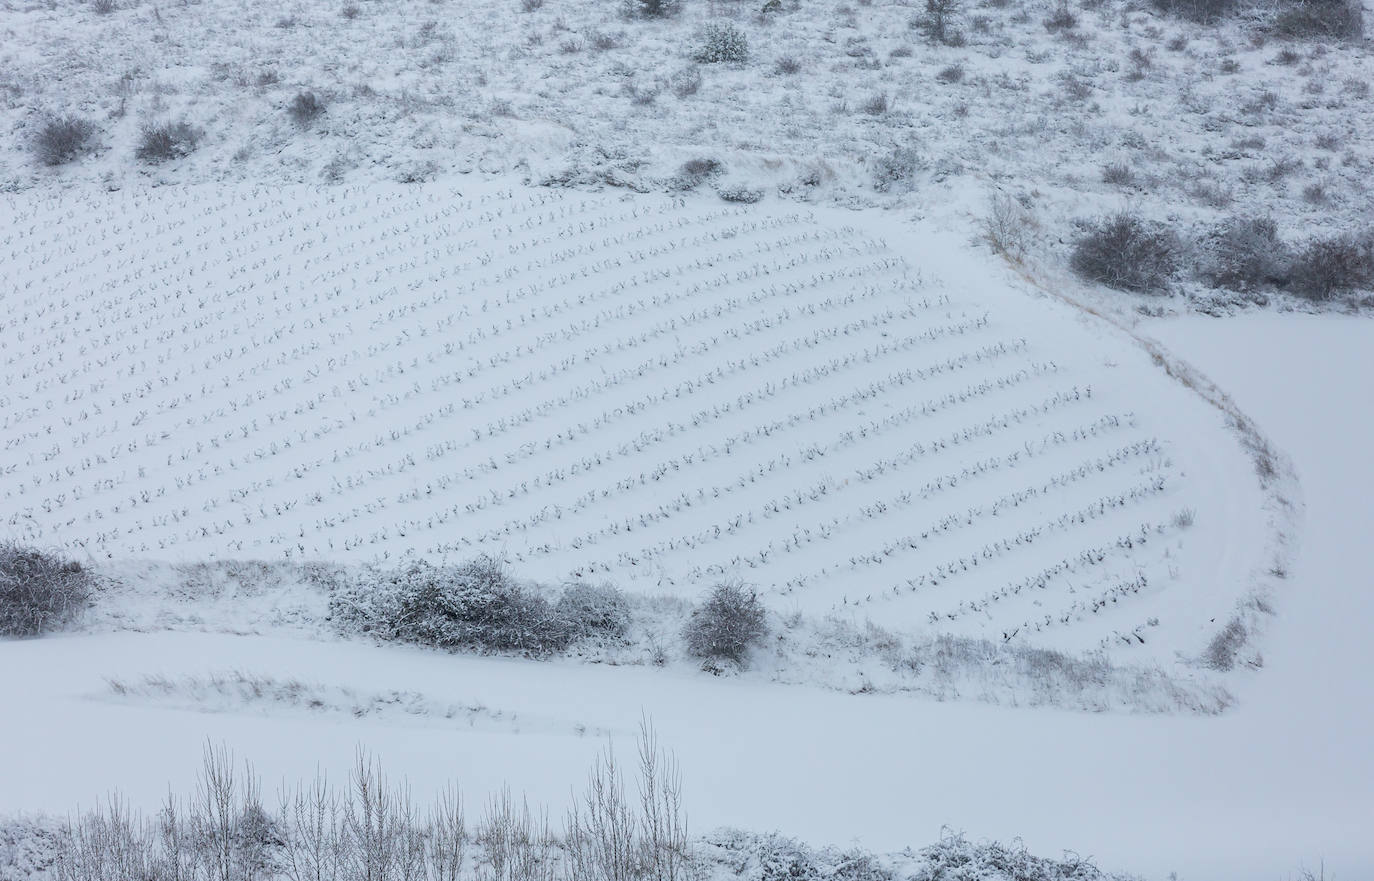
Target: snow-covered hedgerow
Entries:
(473, 605)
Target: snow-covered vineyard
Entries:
(686, 440)
(656, 393)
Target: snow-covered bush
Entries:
(721, 43)
(727, 625)
(1328, 266)
(957, 857)
(475, 605)
(1125, 252)
(1321, 19)
(63, 139)
(39, 592)
(166, 141)
(305, 108)
(1245, 254)
(1222, 650)
(594, 610)
(1197, 10)
(652, 8)
(897, 170)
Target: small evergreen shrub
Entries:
(722, 43)
(40, 592)
(727, 625)
(166, 141)
(652, 8)
(938, 22)
(63, 139)
(1125, 252)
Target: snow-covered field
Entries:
(478, 305)
(1281, 781)
(659, 393)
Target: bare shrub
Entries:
(63, 139)
(1061, 19)
(350, 11)
(722, 43)
(788, 65)
(305, 109)
(163, 142)
(1245, 253)
(531, 5)
(702, 167)
(951, 75)
(40, 592)
(602, 41)
(1328, 266)
(727, 625)
(1122, 251)
(1321, 19)
(103, 7)
(1197, 10)
(875, 105)
(1118, 174)
(1222, 650)
(1008, 226)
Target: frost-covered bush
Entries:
(1222, 650)
(652, 8)
(897, 169)
(1245, 254)
(63, 139)
(305, 108)
(740, 194)
(1328, 266)
(1321, 19)
(955, 857)
(166, 141)
(722, 43)
(727, 625)
(40, 592)
(594, 610)
(1127, 253)
(475, 605)
(1197, 10)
